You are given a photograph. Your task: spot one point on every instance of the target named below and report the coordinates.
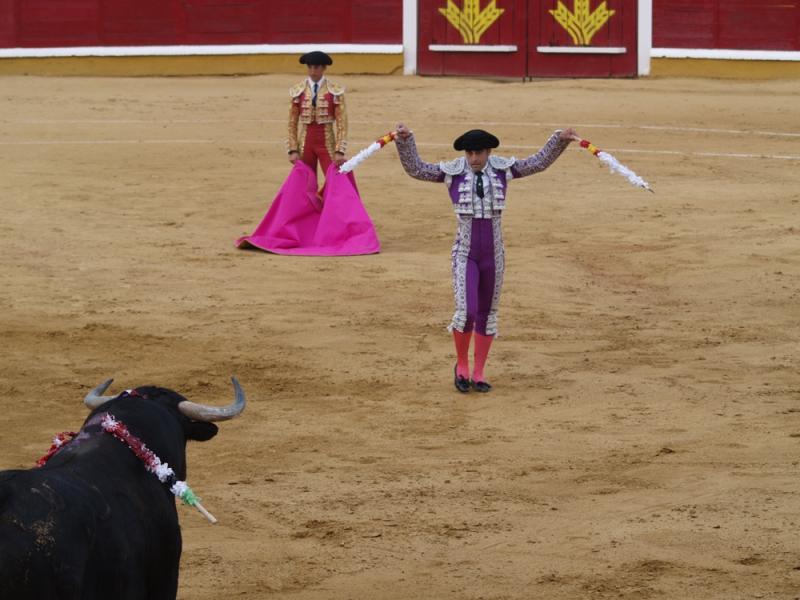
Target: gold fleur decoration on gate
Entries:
(472, 22)
(581, 24)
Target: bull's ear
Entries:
(200, 431)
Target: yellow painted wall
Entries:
(725, 69)
(379, 64)
(250, 64)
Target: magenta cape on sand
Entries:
(297, 224)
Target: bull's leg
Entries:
(164, 581)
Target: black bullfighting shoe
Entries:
(480, 386)
(462, 383)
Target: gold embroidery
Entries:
(341, 124)
(471, 22)
(302, 113)
(329, 141)
(294, 117)
(581, 24)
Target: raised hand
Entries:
(403, 132)
(569, 134)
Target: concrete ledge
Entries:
(249, 64)
(724, 69)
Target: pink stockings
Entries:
(461, 340)
(482, 345)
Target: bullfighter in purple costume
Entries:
(477, 185)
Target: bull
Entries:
(92, 523)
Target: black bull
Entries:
(92, 523)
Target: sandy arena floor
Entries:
(643, 436)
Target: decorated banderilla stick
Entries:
(153, 464)
(367, 152)
(188, 497)
(613, 164)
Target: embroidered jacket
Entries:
(329, 111)
(460, 179)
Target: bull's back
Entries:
(44, 537)
(65, 536)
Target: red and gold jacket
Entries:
(329, 111)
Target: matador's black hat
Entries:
(476, 139)
(316, 58)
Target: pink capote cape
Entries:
(297, 224)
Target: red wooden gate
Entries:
(493, 44)
(533, 38)
(593, 39)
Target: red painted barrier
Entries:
(727, 24)
(7, 21)
(66, 23)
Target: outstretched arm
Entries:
(545, 157)
(409, 157)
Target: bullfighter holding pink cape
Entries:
(302, 220)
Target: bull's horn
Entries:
(95, 398)
(203, 412)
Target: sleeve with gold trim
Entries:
(292, 144)
(340, 116)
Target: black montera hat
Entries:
(476, 139)
(316, 58)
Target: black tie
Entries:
(314, 99)
(479, 184)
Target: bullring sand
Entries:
(643, 436)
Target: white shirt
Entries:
(482, 207)
(311, 83)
